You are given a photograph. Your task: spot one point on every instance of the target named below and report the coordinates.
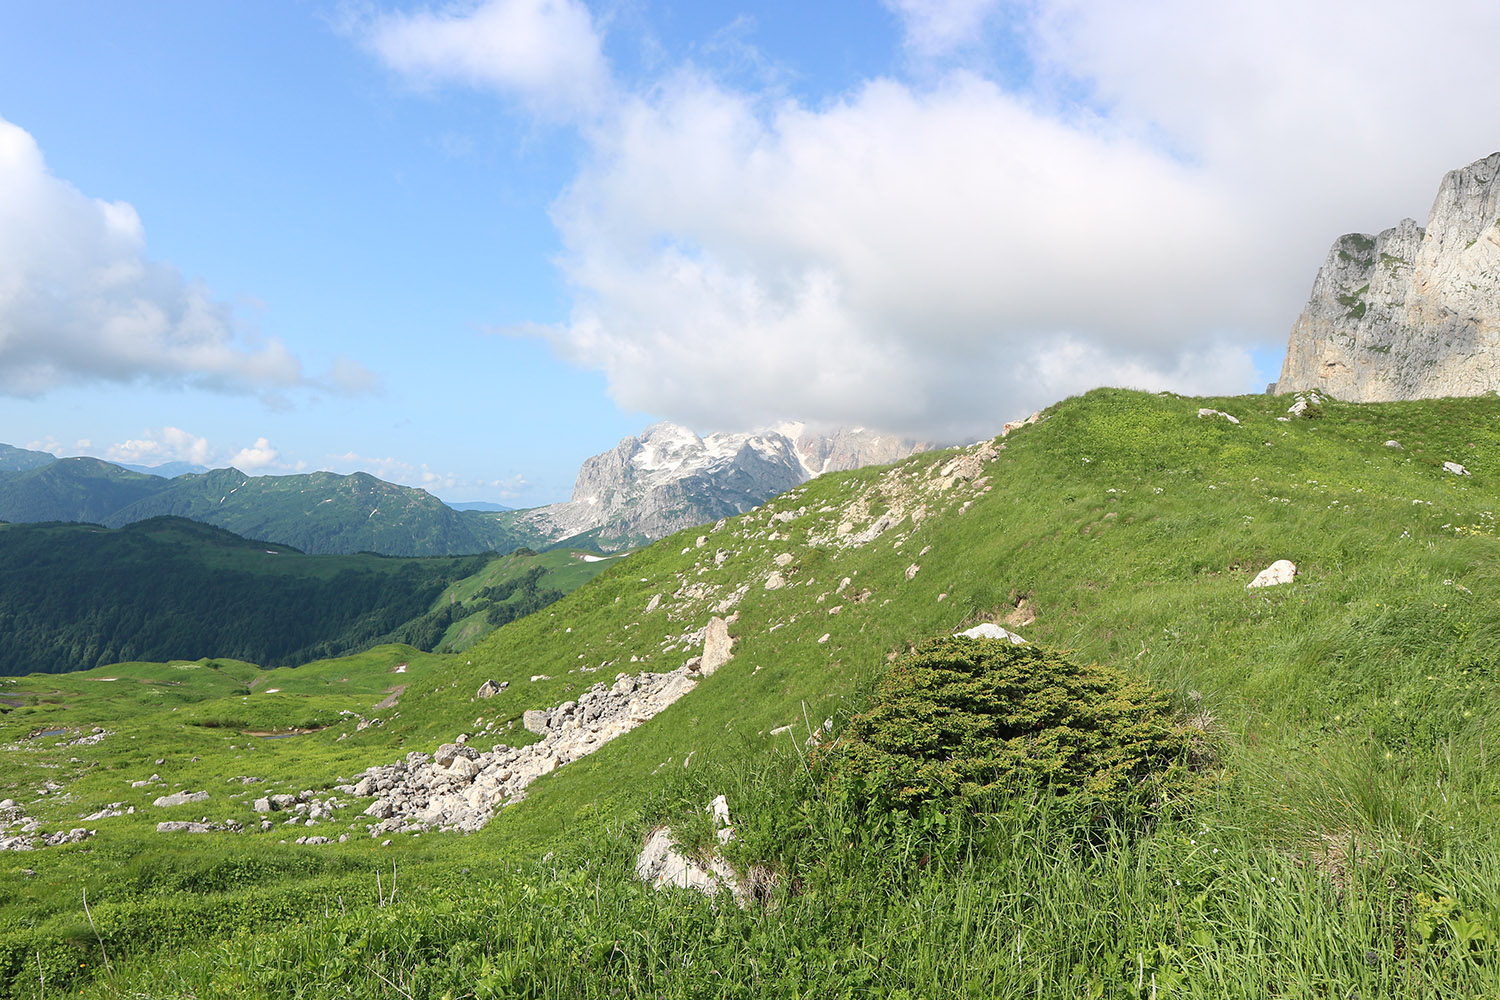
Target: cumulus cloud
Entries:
(162, 445)
(256, 458)
(936, 256)
(80, 300)
(890, 259)
(545, 53)
(1333, 110)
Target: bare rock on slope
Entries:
(1410, 313)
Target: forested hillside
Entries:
(321, 513)
(75, 596)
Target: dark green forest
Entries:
(76, 596)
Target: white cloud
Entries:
(1330, 111)
(165, 444)
(936, 27)
(80, 301)
(937, 257)
(255, 458)
(546, 53)
(888, 260)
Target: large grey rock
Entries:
(178, 826)
(717, 646)
(448, 752)
(180, 799)
(536, 720)
(489, 689)
(1410, 313)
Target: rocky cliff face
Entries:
(1411, 313)
(669, 478)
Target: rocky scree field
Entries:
(1340, 842)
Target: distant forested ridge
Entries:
(76, 596)
(321, 513)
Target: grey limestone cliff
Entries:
(1410, 313)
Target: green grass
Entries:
(1348, 849)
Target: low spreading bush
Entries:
(973, 719)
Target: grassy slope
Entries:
(1355, 703)
(563, 570)
(322, 513)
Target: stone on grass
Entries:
(989, 630)
(489, 689)
(1207, 412)
(536, 719)
(717, 646)
(1279, 572)
(1455, 468)
(180, 799)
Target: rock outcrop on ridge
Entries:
(1411, 313)
(669, 478)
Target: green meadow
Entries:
(1338, 841)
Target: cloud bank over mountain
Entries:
(933, 255)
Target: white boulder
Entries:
(1279, 572)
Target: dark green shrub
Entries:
(975, 719)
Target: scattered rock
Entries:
(775, 581)
(419, 793)
(784, 559)
(912, 570)
(1206, 412)
(180, 826)
(448, 752)
(1393, 444)
(989, 630)
(489, 689)
(1455, 468)
(1015, 425)
(1279, 572)
(180, 799)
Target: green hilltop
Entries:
(1341, 843)
(321, 513)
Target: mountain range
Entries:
(646, 487)
(670, 478)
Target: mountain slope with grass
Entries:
(1340, 840)
(321, 513)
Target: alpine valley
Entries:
(1143, 696)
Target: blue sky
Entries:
(464, 246)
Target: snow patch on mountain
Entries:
(670, 478)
